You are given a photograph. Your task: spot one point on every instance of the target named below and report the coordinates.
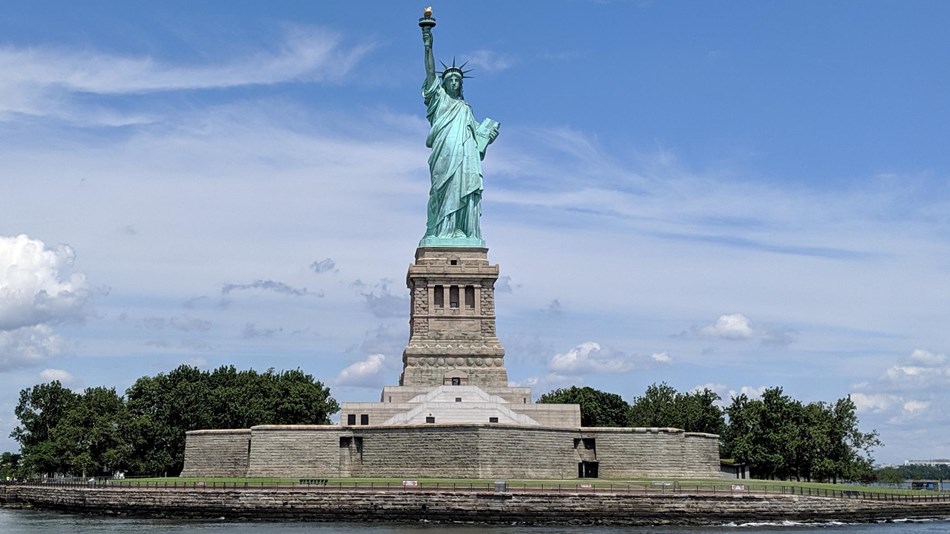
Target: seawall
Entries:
(410, 505)
(449, 451)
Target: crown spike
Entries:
(455, 69)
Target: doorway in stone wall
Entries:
(587, 470)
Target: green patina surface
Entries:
(458, 146)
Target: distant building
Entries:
(929, 463)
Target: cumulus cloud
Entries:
(748, 391)
(927, 358)
(738, 327)
(915, 406)
(29, 345)
(323, 266)
(590, 357)
(547, 383)
(64, 377)
(725, 394)
(872, 403)
(732, 326)
(366, 373)
(37, 291)
(912, 388)
(35, 286)
(661, 357)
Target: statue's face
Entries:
(452, 85)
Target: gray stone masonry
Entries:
(457, 451)
(217, 453)
(452, 320)
(567, 507)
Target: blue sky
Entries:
(734, 195)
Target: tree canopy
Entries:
(98, 432)
(663, 406)
(598, 408)
(783, 438)
(780, 437)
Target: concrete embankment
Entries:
(416, 505)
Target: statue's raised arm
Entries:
(458, 146)
(427, 23)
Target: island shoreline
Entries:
(402, 506)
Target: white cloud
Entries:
(908, 391)
(725, 396)
(865, 402)
(367, 373)
(737, 326)
(34, 80)
(489, 61)
(927, 358)
(35, 286)
(922, 370)
(661, 357)
(37, 291)
(544, 384)
(732, 326)
(748, 391)
(65, 378)
(28, 345)
(589, 357)
(914, 406)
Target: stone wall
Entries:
(454, 451)
(307, 451)
(217, 453)
(567, 507)
(655, 452)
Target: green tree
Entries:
(890, 475)
(663, 406)
(850, 448)
(656, 408)
(783, 438)
(9, 466)
(598, 408)
(93, 434)
(162, 408)
(40, 410)
(701, 413)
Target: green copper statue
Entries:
(458, 146)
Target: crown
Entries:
(455, 70)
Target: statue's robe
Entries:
(455, 166)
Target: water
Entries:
(14, 521)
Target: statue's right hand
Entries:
(427, 38)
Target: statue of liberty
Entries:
(458, 146)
